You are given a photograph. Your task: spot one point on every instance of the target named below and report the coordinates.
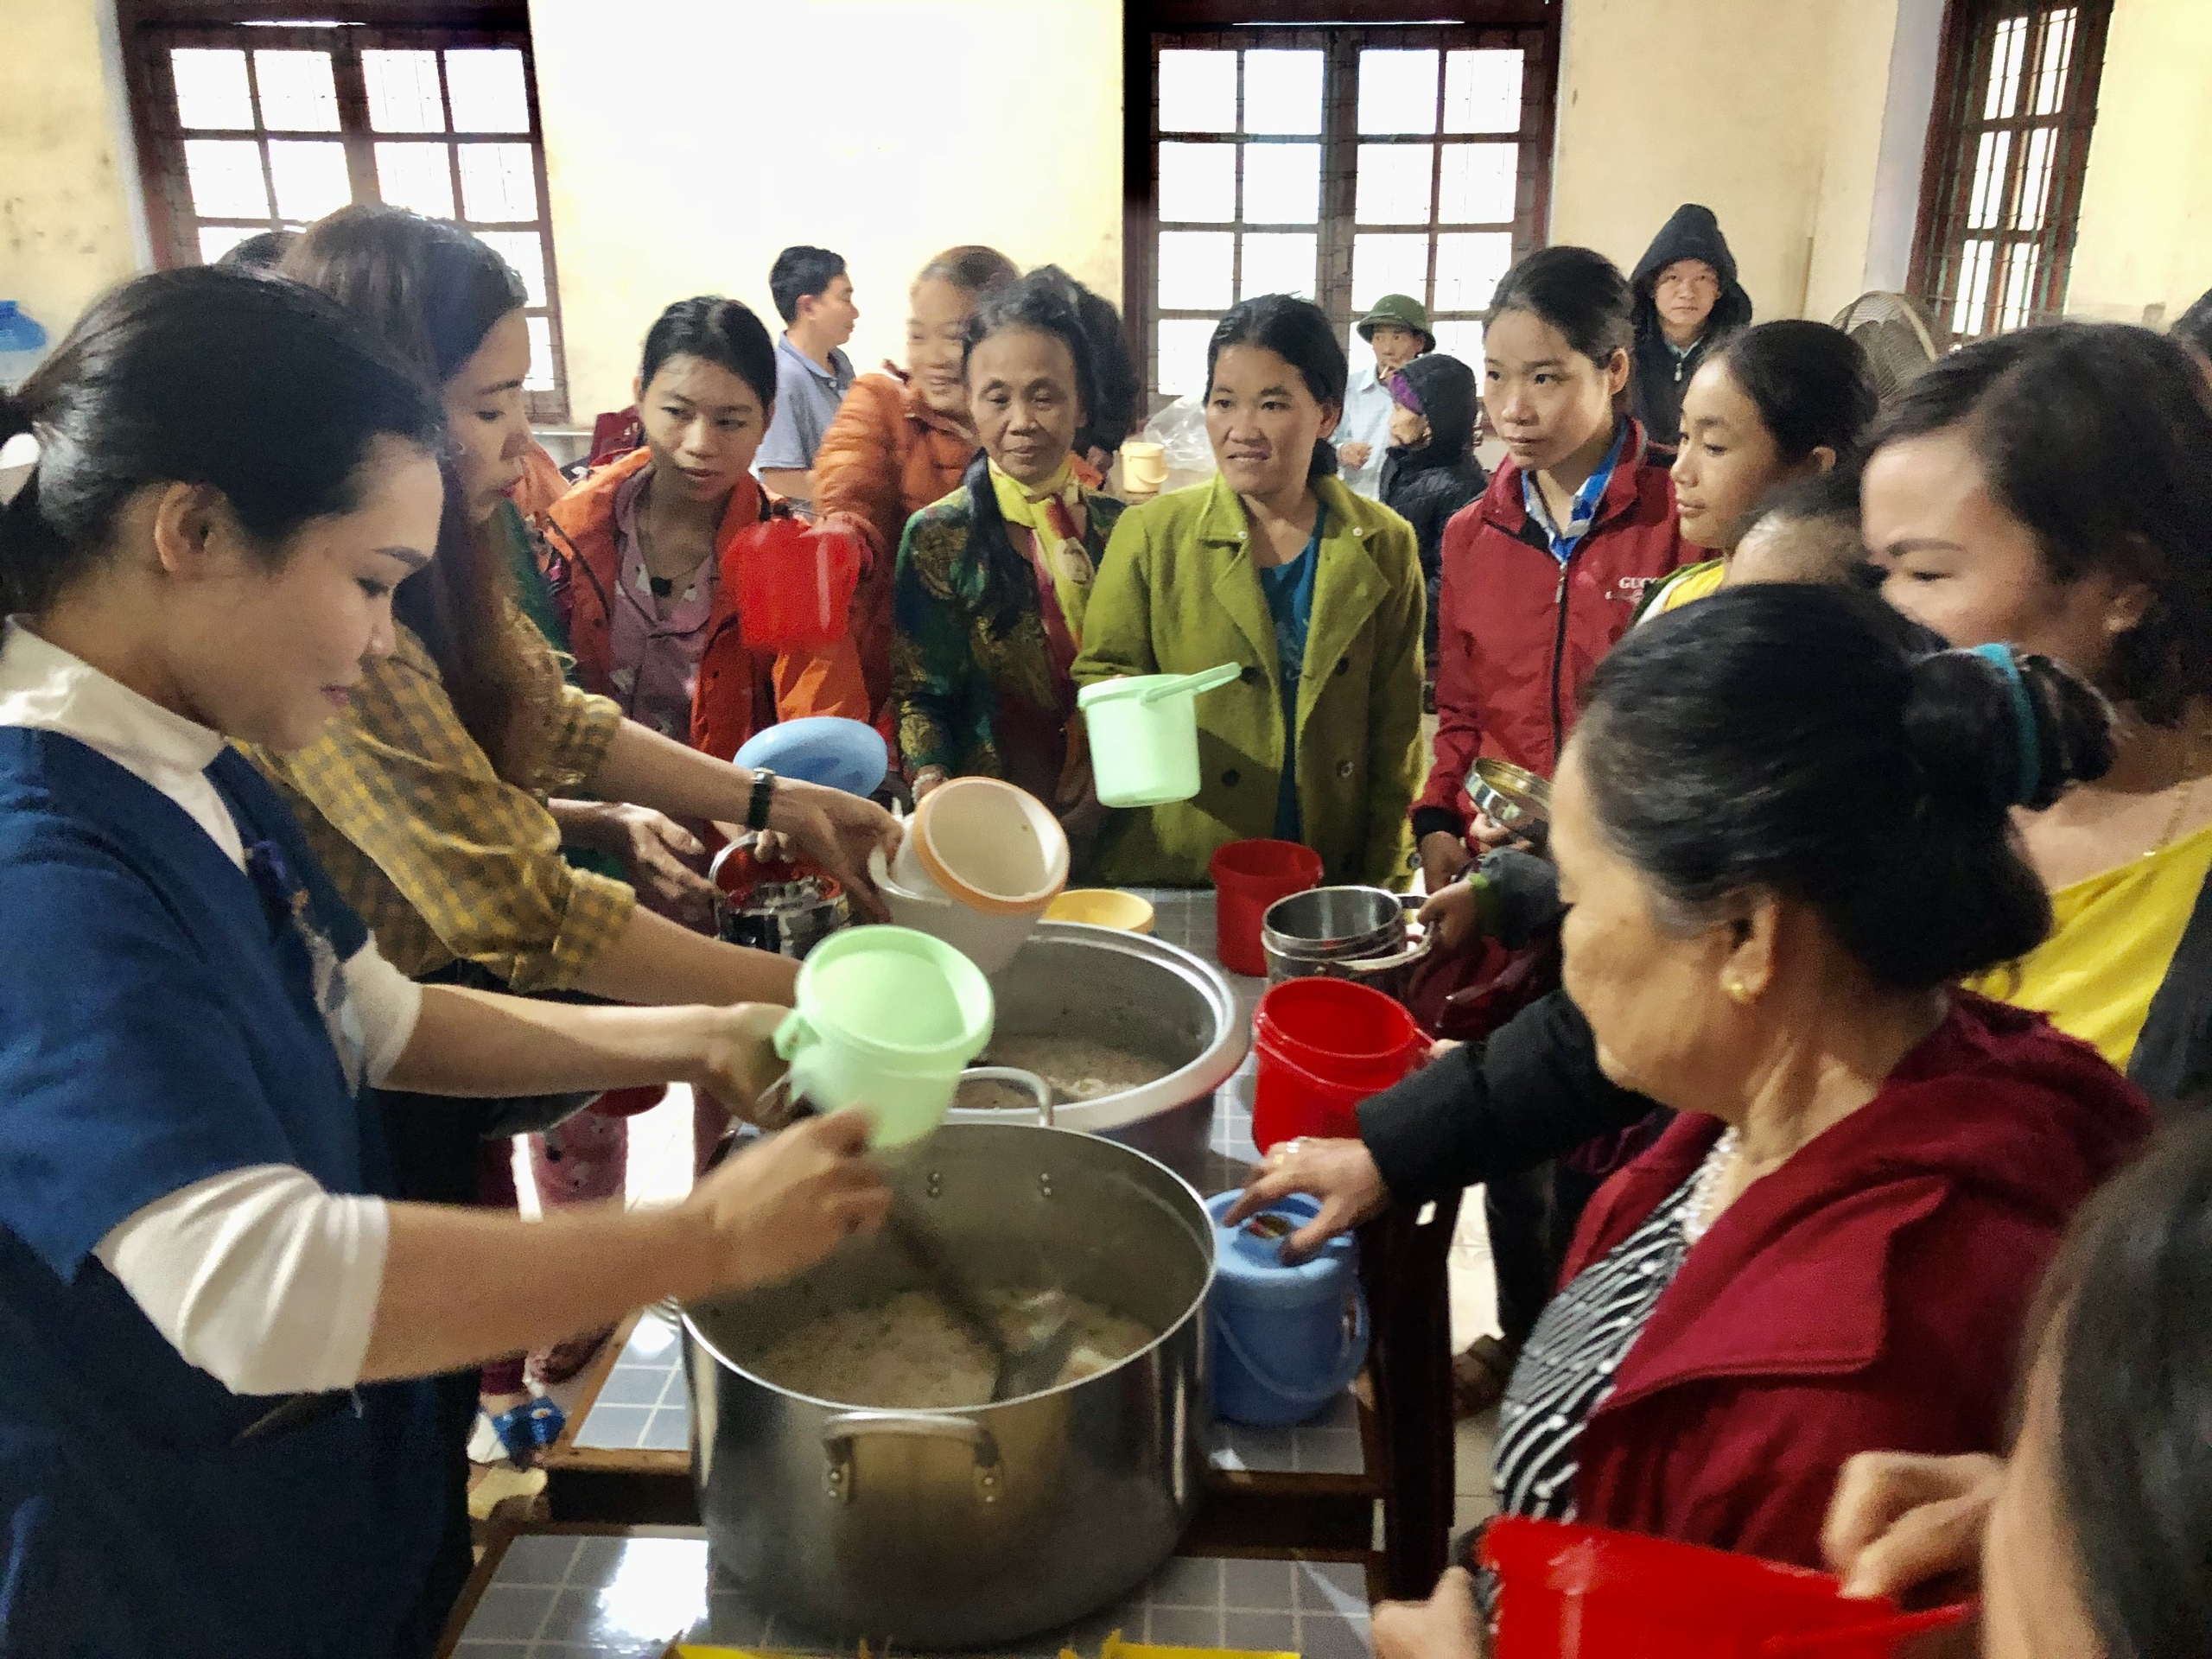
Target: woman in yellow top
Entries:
(1779, 403)
(426, 798)
(1315, 591)
(2052, 488)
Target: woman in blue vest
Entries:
(210, 1442)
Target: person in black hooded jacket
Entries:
(1430, 470)
(1687, 301)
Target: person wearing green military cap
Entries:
(1398, 327)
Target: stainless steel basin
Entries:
(1131, 991)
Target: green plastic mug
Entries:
(886, 1018)
(1144, 735)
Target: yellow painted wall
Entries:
(1768, 112)
(2146, 234)
(687, 141)
(66, 228)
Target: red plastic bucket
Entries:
(795, 583)
(1324, 1046)
(1582, 1592)
(1247, 877)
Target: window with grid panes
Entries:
(2008, 151)
(1341, 164)
(261, 127)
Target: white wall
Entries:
(2144, 249)
(1769, 111)
(69, 226)
(691, 141)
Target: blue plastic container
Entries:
(847, 754)
(22, 342)
(1286, 1339)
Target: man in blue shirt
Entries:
(1398, 330)
(814, 297)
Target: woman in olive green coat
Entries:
(1316, 592)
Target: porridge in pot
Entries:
(908, 1354)
(1077, 1069)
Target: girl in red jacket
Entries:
(1544, 573)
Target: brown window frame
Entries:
(1940, 267)
(151, 29)
(1530, 26)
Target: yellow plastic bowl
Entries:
(1102, 907)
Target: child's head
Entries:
(813, 293)
(1777, 402)
(937, 325)
(1555, 354)
(1275, 377)
(246, 514)
(1409, 420)
(453, 308)
(1806, 530)
(705, 392)
(1032, 381)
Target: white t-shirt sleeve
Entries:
(259, 1276)
(387, 1004)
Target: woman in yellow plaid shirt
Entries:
(429, 800)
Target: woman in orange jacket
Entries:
(902, 440)
(643, 548)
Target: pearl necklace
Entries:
(1705, 1191)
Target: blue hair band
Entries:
(2027, 730)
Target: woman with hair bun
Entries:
(1833, 1246)
(993, 581)
(1276, 565)
(219, 1311)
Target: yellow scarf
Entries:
(1059, 536)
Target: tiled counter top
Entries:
(564, 1592)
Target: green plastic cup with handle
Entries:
(886, 1018)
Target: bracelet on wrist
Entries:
(763, 797)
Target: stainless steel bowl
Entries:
(1130, 992)
(952, 1528)
(1515, 797)
(1355, 933)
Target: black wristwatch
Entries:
(764, 789)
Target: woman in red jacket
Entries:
(1833, 1249)
(644, 547)
(1544, 573)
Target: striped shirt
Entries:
(1567, 1369)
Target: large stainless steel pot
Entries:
(956, 1529)
(1134, 993)
(1355, 933)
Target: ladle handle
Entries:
(1191, 685)
(922, 1246)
